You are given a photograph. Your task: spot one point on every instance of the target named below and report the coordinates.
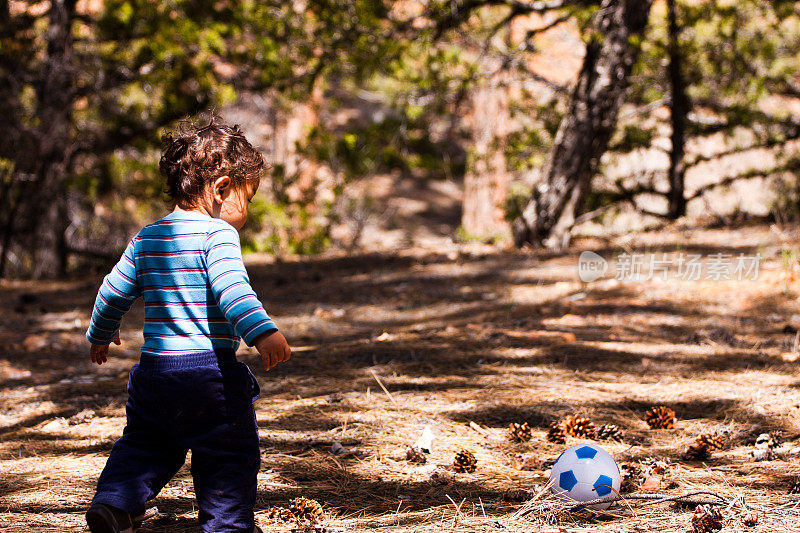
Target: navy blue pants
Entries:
(201, 402)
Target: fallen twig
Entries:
(374, 375)
(656, 498)
(479, 429)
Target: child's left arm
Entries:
(115, 297)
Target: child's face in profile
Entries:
(233, 208)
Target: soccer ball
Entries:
(585, 472)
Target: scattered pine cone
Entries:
(632, 477)
(280, 514)
(518, 495)
(765, 441)
(653, 465)
(750, 519)
(578, 426)
(706, 519)
(777, 438)
(702, 447)
(520, 432)
(556, 433)
(464, 461)
(81, 418)
(697, 452)
(609, 432)
(712, 441)
(660, 417)
(305, 510)
(764, 448)
(415, 455)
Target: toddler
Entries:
(188, 391)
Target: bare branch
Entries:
(550, 25)
(458, 13)
(733, 179)
(769, 144)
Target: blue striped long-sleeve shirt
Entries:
(197, 296)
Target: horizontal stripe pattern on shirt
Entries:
(188, 269)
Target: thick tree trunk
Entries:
(584, 132)
(486, 179)
(47, 212)
(679, 109)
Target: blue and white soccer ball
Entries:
(585, 472)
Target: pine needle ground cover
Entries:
(465, 341)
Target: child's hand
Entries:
(273, 348)
(99, 352)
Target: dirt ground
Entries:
(458, 335)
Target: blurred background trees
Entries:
(385, 120)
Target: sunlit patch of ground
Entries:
(465, 335)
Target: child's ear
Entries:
(222, 187)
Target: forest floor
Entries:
(467, 334)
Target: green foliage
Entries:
(291, 229)
(397, 139)
(518, 195)
(733, 55)
(786, 204)
(139, 67)
(527, 147)
(596, 199)
(631, 137)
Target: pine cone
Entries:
(632, 477)
(280, 514)
(653, 465)
(697, 452)
(578, 426)
(518, 495)
(464, 461)
(777, 438)
(415, 455)
(706, 519)
(519, 432)
(750, 519)
(81, 418)
(660, 417)
(712, 441)
(556, 433)
(305, 510)
(609, 432)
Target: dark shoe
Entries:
(103, 518)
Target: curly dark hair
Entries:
(194, 156)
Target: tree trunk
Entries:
(47, 211)
(584, 132)
(486, 179)
(679, 109)
(10, 201)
